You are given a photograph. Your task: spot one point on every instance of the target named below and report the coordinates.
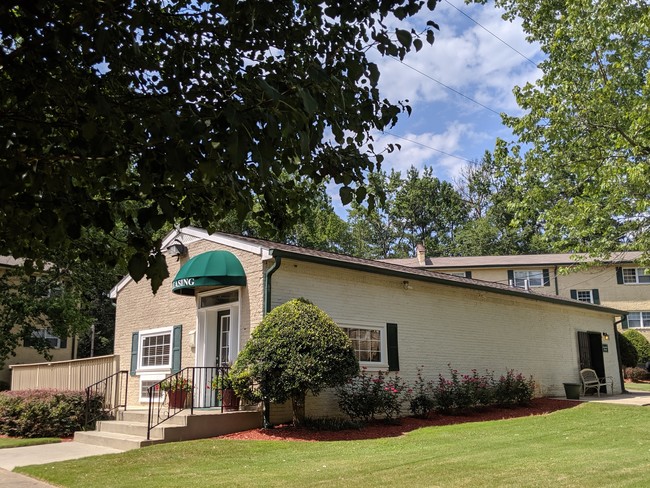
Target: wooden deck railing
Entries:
(76, 374)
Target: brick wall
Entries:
(440, 325)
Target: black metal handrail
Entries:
(190, 388)
(111, 392)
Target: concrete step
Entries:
(123, 442)
(131, 434)
(142, 416)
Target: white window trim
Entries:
(643, 325)
(528, 272)
(46, 335)
(637, 272)
(591, 296)
(218, 291)
(370, 365)
(154, 332)
(460, 274)
(149, 377)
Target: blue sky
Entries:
(473, 62)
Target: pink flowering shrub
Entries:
(45, 413)
(368, 396)
(471, 391)
(420, 396)
(513, 389)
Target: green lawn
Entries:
(13, 442)
(589, 445)
(637, 386)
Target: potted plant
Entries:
(177, 389)
(222, 384)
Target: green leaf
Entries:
(404, 37)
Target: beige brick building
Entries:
(412, 317)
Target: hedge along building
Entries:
(398, 318)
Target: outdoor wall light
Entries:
(406, 285)
(605, 336)
(177, 248)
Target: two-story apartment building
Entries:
(60, 348)
(619, 282)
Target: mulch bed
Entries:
(539, 406)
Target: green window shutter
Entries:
(619, 275)
(574, 294)
(596, 296)
(624, 322)
(63, 343)
(176, 348)
(547, 277)
(511, 277)
(468, 274)
(393, 353)
(135, 343)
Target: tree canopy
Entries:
(586, 127)
(145, 114)
(296, 349)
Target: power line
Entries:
(493, 34)
(447, 86)
(428, 147)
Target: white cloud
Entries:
(466, 58)
(444, 151)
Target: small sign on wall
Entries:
(605, 348)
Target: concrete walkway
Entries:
(42, 454)
(639, 398)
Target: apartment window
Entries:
(585, 296)
(219, 299)
(461, 274)
(155, 350)
(53, 341)
(632, 276)
(534, 277)
(638, 320)
(368, 343)
(146, 383)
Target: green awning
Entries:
(212, 268)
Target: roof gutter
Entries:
(277, 253)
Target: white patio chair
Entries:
(591, 380)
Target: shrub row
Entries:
(636, 375)
(45, 413)
(368, 396)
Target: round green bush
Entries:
(641, 345)
(296, 349)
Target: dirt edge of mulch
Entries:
(539, 406)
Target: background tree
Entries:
(296, 349)
(629, 355)
(586, 123)
(184, 110)
(373, 229)
(493, 191)
(641, 345)
(428, 210)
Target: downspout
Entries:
(266, 422)
(267, 282)
(618, 353)
(557, 288)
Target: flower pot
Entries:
(177, 398)
(572, 391)
(230, 399)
